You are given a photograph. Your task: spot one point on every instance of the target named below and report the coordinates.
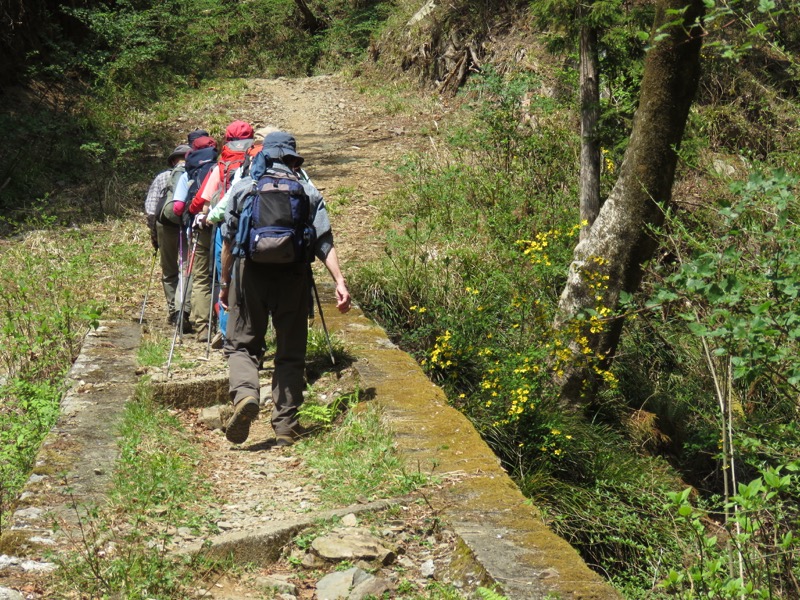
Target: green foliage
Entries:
(596, 493)
(737, 289)
(488, 594)
(358, 459)
(754, 553)
(622, 32)
(157, 464)
(318, 350)
(351, 26)
(470, 278)
(325, 414)
(95, 70)
(152, 353)
(27, 412)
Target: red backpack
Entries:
(235, 154)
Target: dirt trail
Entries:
(349, 146)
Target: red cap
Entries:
(239, 130)
(204, 142)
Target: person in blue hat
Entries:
(263, 284)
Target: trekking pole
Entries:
(213, 285)
(179, 322)
(149, 283)
(321, 316)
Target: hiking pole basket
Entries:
(149, 283)
(321, 316)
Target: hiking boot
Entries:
(201, 329)
(217, 341)
(287, 439)
(238, 426)
(282, 441)
(187, 325)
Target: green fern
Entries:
(488, 594)
(325, 414)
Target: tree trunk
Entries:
(590, 116)
(311, 22)
(618, 243)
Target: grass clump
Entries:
(152, 352)
(357, 459)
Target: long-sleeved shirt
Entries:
(157, 189)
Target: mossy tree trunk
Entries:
(610, 259)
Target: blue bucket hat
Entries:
(279, 144)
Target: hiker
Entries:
(199, 162)
(239, 142)
(255, 289)
(167, 235)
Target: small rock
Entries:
(386, 557)
(312, 561)
(336, 585)
(348, 545)
(9, 594)
(427, 569)
(28, 514)
(349, 520)
(279, 583)
(405, 562)
(34, 566)
(42, 540)
(213, 417)
(548, 573)
(373, 587)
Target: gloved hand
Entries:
(154, 239)
(199, 221)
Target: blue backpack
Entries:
(275, 222)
